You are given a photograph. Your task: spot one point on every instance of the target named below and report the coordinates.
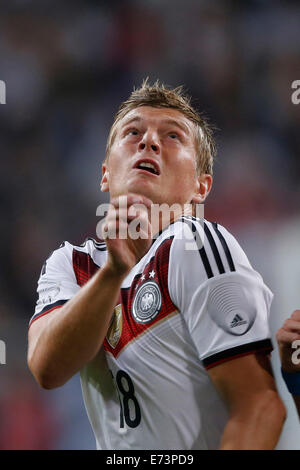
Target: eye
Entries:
(132, 132)
(174, 135)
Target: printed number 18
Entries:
(125, 390)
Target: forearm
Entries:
(255, 426)
(73, 334)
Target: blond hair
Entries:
(160, 96)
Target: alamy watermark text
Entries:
(296, 354)
(2, 92)
(2, 352)
(295, 97)
(129, 221)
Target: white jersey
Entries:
(185, 307)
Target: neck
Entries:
(161, 216)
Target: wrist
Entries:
(292, 381)
(114, 272)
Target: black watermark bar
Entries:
(152, 458)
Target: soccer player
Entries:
(171, 337)
(288, 339)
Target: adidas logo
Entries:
(237, 321)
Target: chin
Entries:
(144, 189)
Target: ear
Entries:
(105, 178)
(204, 184)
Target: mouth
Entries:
(147, 165)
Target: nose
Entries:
(150, 142)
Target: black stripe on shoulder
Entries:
(161, 243)
(190, 217)
(158, 234)
(101, 246)
(225, 246)
(200, 246)
(214, 249)
(238, 351)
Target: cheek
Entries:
(117, 159)
(185, 174)
(185, 167)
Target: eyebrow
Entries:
(133, 119)
(171, 122)
(181, 126)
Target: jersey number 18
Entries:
(126, 395)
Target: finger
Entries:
(117, 214)
(139, 199)
(141, 231)
(138, 211)
(137, 225)
(145, 232)
(146, 235)
(129, 199)
(123, 215)
(296, 315)
(291, 325)
(116, 230)
(123, 205)
(286, 337)
(119, 201)
(114, 221)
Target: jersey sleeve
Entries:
(224, 301)
(57, 283)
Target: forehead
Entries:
(156, 116)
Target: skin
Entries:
(256, 412)
(165, 136)
(62, 342)
(286, 335)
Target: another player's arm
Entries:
(256, 412)
(286, 335)
(63, 341)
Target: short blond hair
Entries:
(160, 96)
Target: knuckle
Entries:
(284, 325)
(287, 324)
(144, 217)
(278, 335)
(132, 211)
(296, 315)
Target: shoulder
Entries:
(91, 244)
(207, 244)
(59, 257)
(66, 253)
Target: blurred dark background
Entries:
(67, 66)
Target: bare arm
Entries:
(62, 342)
(256, 412)
(67, 338)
